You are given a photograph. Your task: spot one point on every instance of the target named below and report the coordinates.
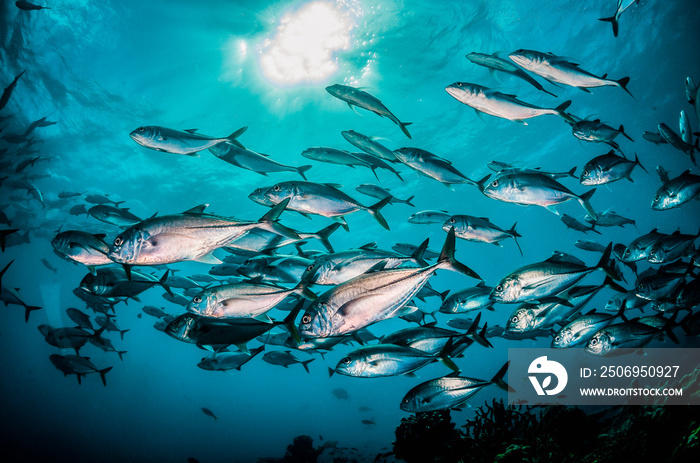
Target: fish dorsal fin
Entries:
(377, 267)
(197, 209)
(563, 257)
(334, 185)
(192, 131)
(100, 236)
(481, 284)
(369, 246)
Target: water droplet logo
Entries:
(541, 366)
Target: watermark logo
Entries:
(541, 366)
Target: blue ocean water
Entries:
(101, 69)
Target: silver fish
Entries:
(685, 130)
(469, 299)
(486, 100)
(670, 248)
(448, 392)
(574, 224)
(120, 217)
(629, 334)
(560, 71)
(676, 192)
(429, 216)
(533, 189)
(581, 329)
(382, 360)
(480, 229)
(597, 132)
(378, 192)
(334, 156)
(673, 139)
(361, 99)
(187, 142)
(543, 279)
(609, 219)
(373, 297)
(191, 235)
(615, 18)
(608, 168)
(250, 160)
(81, 247)
(317, 198)
(494, 63)
(431, 166)
(224, 361)
(369, 145)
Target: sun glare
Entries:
(304, 45)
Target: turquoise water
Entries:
(102, 69)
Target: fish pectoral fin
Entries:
(208, 259)
(353, 305)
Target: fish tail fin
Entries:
(408, 201)
(374, 211)
(121, 333)
(622, 131)
(330, 371)
(418, 253)
(636, 161)
(610, 283)
(302, 288)
(584, 200)
(120, 353)
(515, 236)
(232, 138)
(614, 22)
(164, 283)
(572, 172)
(289, 320)
(623, 85)
(325, 233)
(482, 183)
(396, 172)
(447, 257)
(607, 265)
(102, 375)
(301, 170)
(3, 236)
(5, 270)
(29, 309)
(561, 110)
(498, 378)
(305, 364)
(472, 333)
(403, 126)
(444, 356)
(269, 221)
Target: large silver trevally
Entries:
(469, 299)
(373, 297)
(191, 235)
(580, 330)
(387, 360)
(81, 247)
(640, 247)
(560, 71)
(677, 191)
(480, 229)
(597, 132)
(504, 168)
(323, 199)
(430, 165)
(243, 299)
(608, 168)
(361, 99)
(495, 63)
(533, 189)
(544, 279)
(250, 160)
(187, 142)
(629, 334)
(369, 145)
(672, 247)
(448, 392)
(486, 100)
(610, 219)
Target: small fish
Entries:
(378, 192)
(334, 156)
(369, 422)
(597, 132)
(101, 199)
(684, 126)
(640, 247)
(369, 145)
(676, 192)
(79, 318)
(7, 93)
(76, 365)
(486, 100)
(285, 359)
(120, 217)
(48, 265)
(560, 71)
(361, 99)
(654, 137)
(609, 219)
(432, 166)
(630, 334)
(81, 247)
(208, 412)
(256, 162)
(225, 361)
(340, 393)
(469, 299)
(574, 224)
(608, 168)
(448, 392)
(494, 63)
(429, 216)
(480, 229)
(673, 139)
(589, 245)
(187, 142)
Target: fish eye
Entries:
(499, 288)
(494, 183)
(276, 188)
(594, 341)
(346, 360)
(657, 197)
(585, 172)
(197, 299)
(306, 318)
(452, 220)
(118, 241)
(514, 319)
(89, 279)
(557, 338)
(140, 129)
